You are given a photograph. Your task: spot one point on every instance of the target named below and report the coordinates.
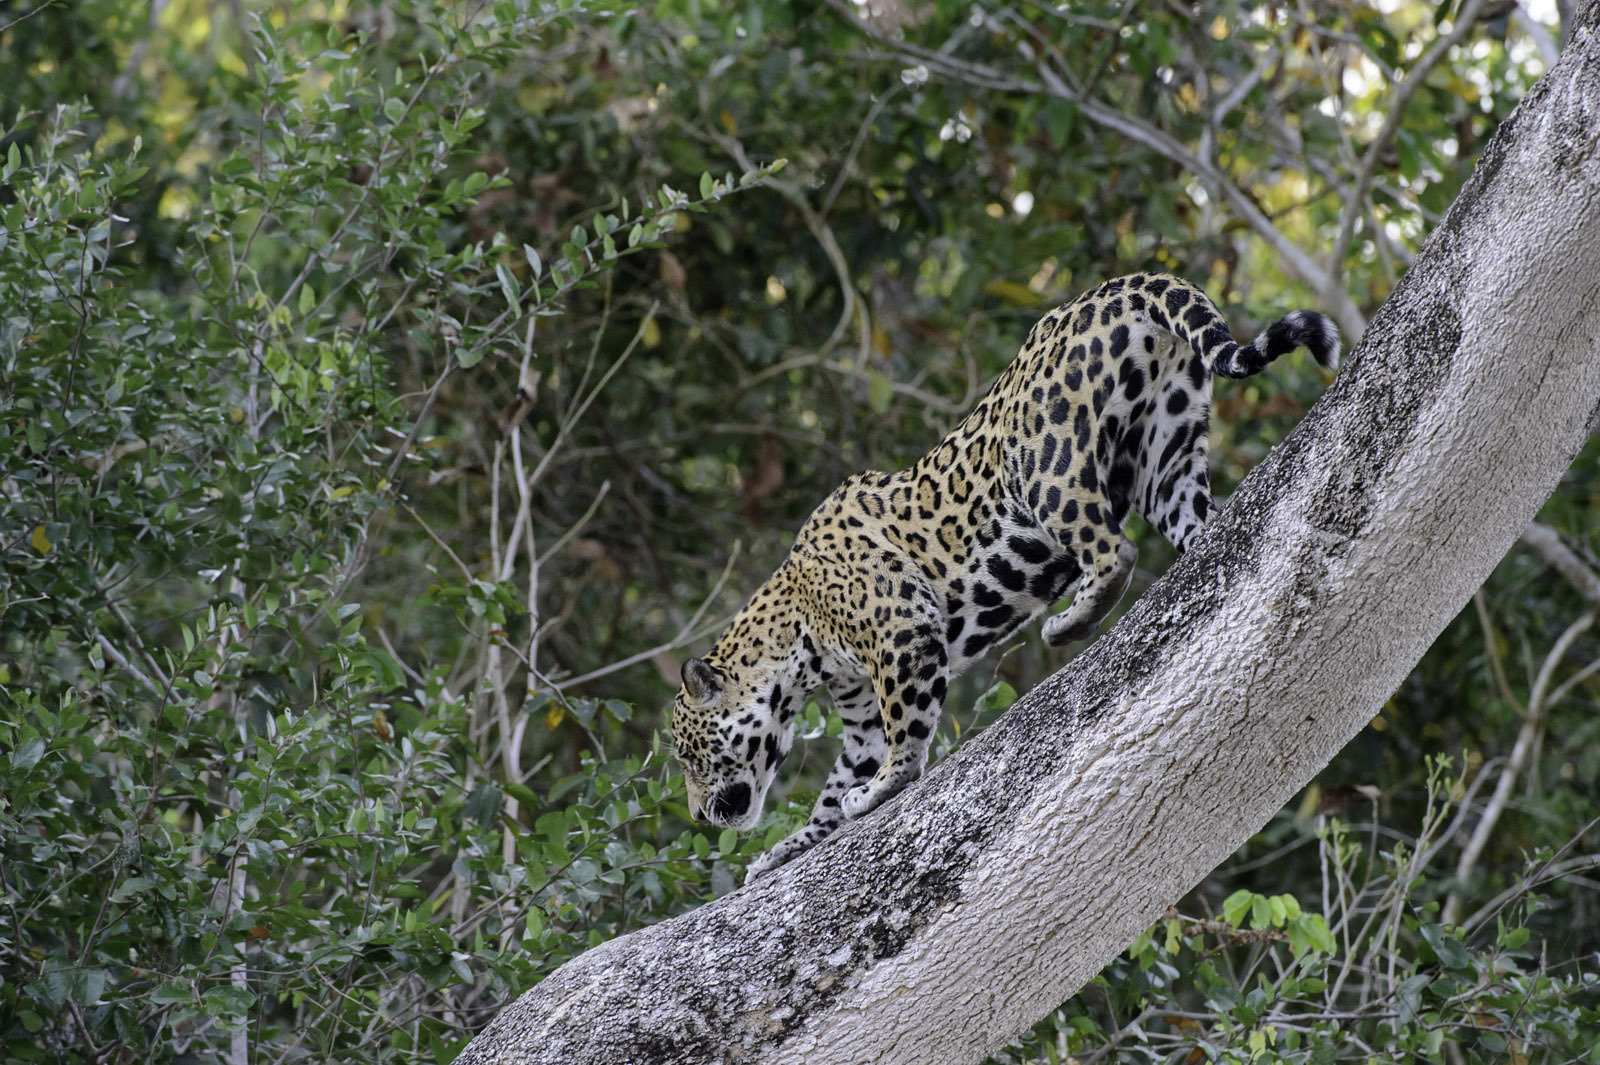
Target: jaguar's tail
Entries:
(1188, 314)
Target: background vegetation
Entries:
(393, 392)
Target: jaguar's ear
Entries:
(701, 681)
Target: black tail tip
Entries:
(1315, 332)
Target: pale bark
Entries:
(951, 919)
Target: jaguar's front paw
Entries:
(1059, 630)
(786, 851)
(857, 801)
(865, 798)
(764, 865)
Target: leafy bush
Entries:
(229, 817)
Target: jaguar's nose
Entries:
(697, 812)
(731, 802)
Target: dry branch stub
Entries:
(943, 924)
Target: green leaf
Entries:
(1236, 906)
(89, 985)
(54, 985)
(1408, 997)
(226, 1000)
(880, 390)
(1446, 947)
(27, 754)
(508, 286)
(999, 696)
(523, 794)
(1278, 911)
(707, 186)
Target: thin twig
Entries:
(436, 538)
(1539, 876)
(121, 660)
(1527, 738)
(855, 149)
(26, 15)
(576, 527)
(583, 405)
(686, 634)
(1464, 21)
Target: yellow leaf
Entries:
(340, 493)
(1014, 293)
(1309, 803)
(880, 340)
(553, 716)
(729, 124)
(652, 335)
(41, 542)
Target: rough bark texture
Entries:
(948, 921)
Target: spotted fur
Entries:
(898, 581)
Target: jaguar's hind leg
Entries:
(1182, 505)
(1107, 580)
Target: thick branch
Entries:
(946, 922)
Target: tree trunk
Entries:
(945, 923)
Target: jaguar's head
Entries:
(731, 729)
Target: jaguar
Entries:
(899, 581)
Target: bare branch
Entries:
(1527, 739)
(1546, 542)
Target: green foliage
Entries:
(1378, 978)
(373, 409)
(228, 810)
